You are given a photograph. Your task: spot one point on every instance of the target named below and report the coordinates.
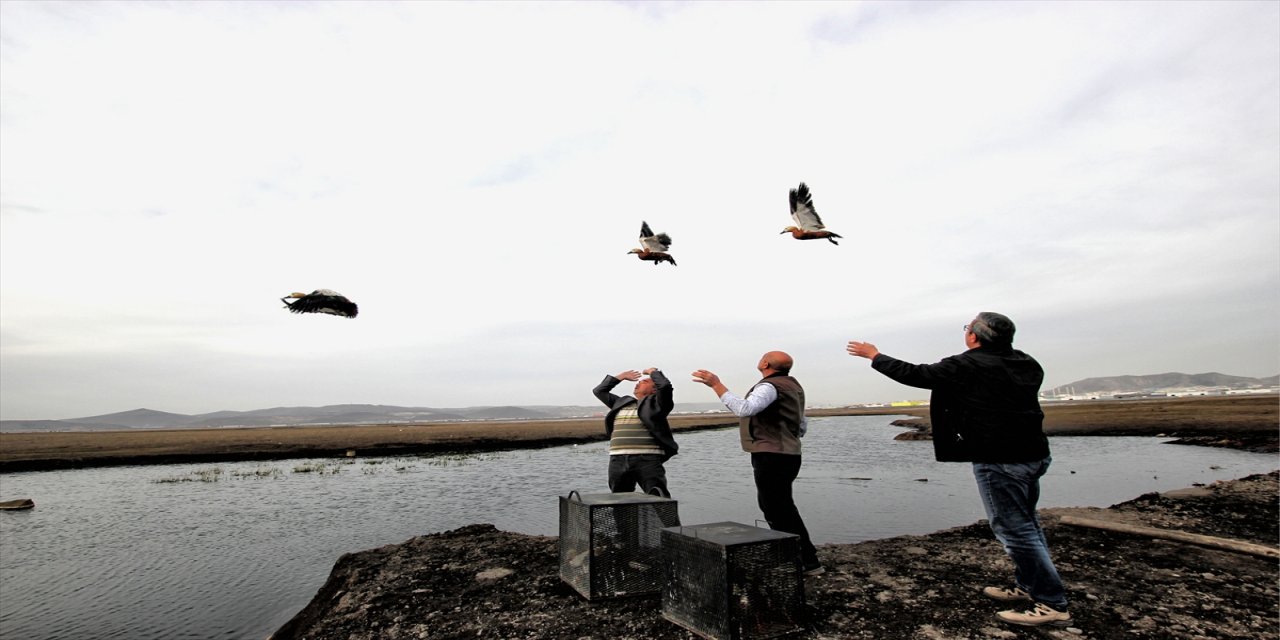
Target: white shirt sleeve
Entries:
(760, 397)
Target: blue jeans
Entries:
(1009, 493)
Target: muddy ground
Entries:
(1252, 418)
(478, 582)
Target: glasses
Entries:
(966, 328)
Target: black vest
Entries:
(776, 429)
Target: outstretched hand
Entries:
(706, 377)
(862, 349)
(630, 374)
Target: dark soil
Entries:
(478, 582)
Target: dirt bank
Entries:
(1247, 417)
(478, 582)
(1250, 423)
(38, 451)
(1190, 416)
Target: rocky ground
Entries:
(478, 582)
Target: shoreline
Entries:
(478, 581)
(1244, 422)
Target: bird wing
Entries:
(658, 243)
(653, 241)
(802, 211)
(325, 301)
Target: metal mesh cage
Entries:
(610, 543)
(731, 581)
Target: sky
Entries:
(1107, 174)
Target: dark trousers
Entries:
(775, 473)
(626, 471)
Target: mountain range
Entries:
(330, 414)
(1162, 382)
(384, 414)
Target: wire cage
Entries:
(610, 543)
(731, 581)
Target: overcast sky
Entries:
(473, 175)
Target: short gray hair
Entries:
(993, 328)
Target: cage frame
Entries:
(633, 567)
(727, 612)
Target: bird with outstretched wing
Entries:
(808, 226)
(321, 301)
(653, 246)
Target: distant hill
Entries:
(385, 414)
(135, 418)
(1162, 382)
(18, 426)
(329, 414)
(503, 413)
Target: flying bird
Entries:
(808, 224)
(321, 301)
(653, 246)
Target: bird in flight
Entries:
(808, 224)
(653, 246)
(321, 301)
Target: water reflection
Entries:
(184, 551)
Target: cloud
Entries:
(473, 175)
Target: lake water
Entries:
(235, 550)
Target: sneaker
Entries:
(815, 571)
(1002, 594)
(1041, 614)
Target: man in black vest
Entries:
(984, 409)
(772, 423)
(640, 439)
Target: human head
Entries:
(644, 387)
(992, 329)
(775, 362)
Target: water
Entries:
(131, 552)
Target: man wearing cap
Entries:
(984, 409)
(640, 439)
